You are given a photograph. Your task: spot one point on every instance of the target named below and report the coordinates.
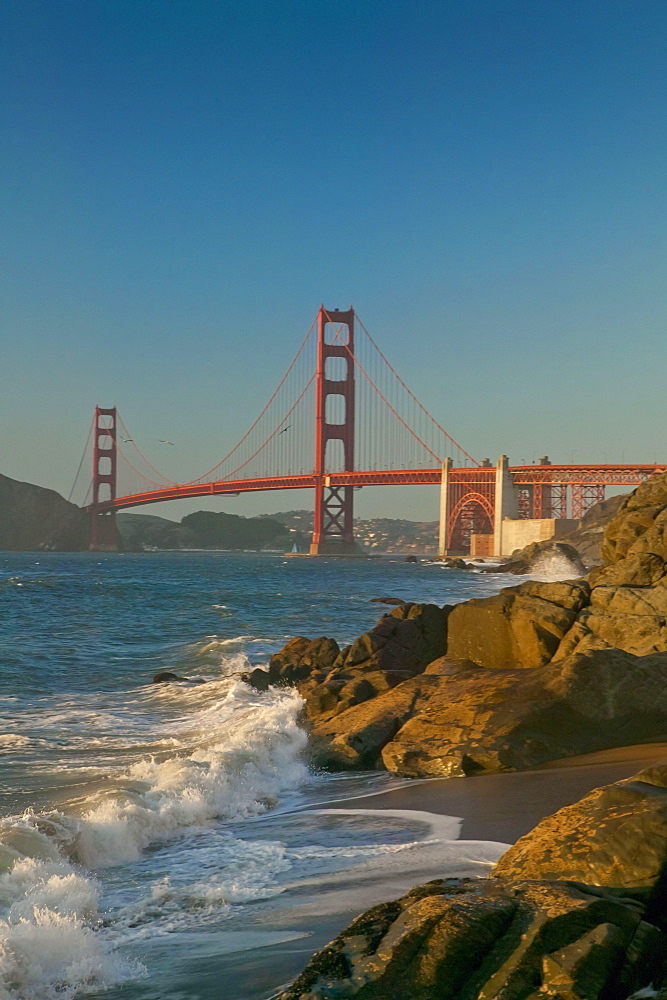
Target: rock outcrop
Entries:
(458, 718)
(299, 659)
(36, 519)
(538, 672)
(574, 911)
(615, 836)
(541, 671)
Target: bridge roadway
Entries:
(522, 475)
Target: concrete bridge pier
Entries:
(506, 502)
(444, 510)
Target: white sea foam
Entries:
(552, 567)
(238, 751)
(49, 947)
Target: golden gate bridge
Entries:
(342, 418)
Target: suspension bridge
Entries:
(340, 419)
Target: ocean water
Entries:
(169, 842)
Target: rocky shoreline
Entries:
(575, 910)
(539, 672)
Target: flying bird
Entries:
(128, 440)
(162, 441)
(284, 429)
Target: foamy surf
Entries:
(53, 939)
(550, 568)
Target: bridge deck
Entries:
(602, 475)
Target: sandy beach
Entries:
(506, 806)
(495, 807)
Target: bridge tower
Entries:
(333, 532)
(103, 537)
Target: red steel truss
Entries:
(626, 475)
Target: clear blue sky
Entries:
(184, 183)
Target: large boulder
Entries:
(458, 718)
(401, 645)
(407, 638)
(484, 939)
(537, 554)
(520, 627)
(299, 659)
(616, 836)
(638, 529)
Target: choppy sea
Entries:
(169, 842)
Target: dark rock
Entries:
(402, 644)
(257, 678)
(452, 563)
(36, 519)
(300, 657)
(489, 938)
(387, 600)
(166, 676)
(407, 638)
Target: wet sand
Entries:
(496, 807)
(506, 806)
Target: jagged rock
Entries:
(587, 537)
(488, 938)
(573, 911)
(299, 659)
(458, 718)
(616, 836)
(640, 634)
(408, 638)
(635, 542)
(454, 563)
(402, 644)
(637, 569)
(521, 627)
(388, 600)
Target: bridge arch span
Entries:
(472, 515)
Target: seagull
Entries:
(128, 440)
(284, 429)
(162, 441)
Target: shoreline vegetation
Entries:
(535, 678)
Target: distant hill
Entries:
(201, 530)
(376, 534)
(34, 519)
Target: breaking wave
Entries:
(232, 759)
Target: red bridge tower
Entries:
(333, 532)
(103, 537)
